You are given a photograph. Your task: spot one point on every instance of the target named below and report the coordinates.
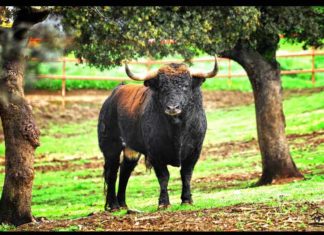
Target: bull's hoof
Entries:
(114, 209)
(187, 202)
(163, 206)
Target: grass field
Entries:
(224, 175)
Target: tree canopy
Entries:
(107, 35)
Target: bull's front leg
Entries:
(187, 167)
(163, 176)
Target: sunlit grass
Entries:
(303, 114)
(76, 193)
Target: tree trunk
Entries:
(21, 139)
(20, 132)
(277, 163)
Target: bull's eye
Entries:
(185, 87)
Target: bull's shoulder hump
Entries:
(131, 90)
(131, 87)
(131, 97)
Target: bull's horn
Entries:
(207, 75)
(137, 78)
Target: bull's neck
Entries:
(177, 126)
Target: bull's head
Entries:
(174, 85)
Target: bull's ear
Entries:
(197, 82)
(152, 83)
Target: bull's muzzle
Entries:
(172, 110)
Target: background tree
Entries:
(256, 53)
(105, 36)
(248, 35)
(257, 56)
(20, 131)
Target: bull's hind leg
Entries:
(130, 161)
(112, 156)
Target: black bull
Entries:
(163, 120)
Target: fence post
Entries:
(149, 63)
(313, 66)
(229, 81)
(63, 82)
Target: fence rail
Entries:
(313, 53)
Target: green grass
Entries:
(285, 45)
(303, 114)
(79, 142)
(76, 193)
(71, 228)
(69, 195)
(6, 227)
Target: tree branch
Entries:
(26, 17)
(241, 54)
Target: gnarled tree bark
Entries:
(264, 76)
(20, 131)
(21, 139)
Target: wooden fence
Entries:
(148, 63)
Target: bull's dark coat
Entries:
(134, 118)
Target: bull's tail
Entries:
(148, 164)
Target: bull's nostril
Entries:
(172, 110)
(173, 107)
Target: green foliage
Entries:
(302, 24)
(299, 24)
(6, 227)
(107, 35)
(126, 32)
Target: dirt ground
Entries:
(243, 217)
